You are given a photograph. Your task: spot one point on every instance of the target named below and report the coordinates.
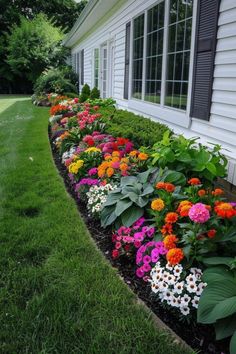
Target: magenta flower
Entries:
(92, 171)
(140, 272)
(147, 259)
(139, 236)
(199, 213)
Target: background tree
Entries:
(34, 45)
(63, 13)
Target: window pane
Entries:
(178, 56)
(154, 53)
(96, 67)
(138, 57)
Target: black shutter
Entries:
(127, 59)
(73, 62)
(82, 67)
(205, 48)
(78, 69)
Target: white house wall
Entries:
(221, 127)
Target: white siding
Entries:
(221, 127)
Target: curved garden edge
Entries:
(158, 322)
(203, 341)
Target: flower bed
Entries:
(170, 232)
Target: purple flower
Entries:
(139, 236)
(147, 259)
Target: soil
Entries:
(200, 337)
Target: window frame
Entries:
(93, 71)
(182, 117)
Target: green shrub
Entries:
(54, 80)
(85, 93)
(188, 156)
(141, 130)
(71, 94)
(95, 93)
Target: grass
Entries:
(57, 293)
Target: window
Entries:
(138, 57)
(154, 53)
(178, 56)
(151, 55)
(96, 67)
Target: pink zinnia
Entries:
(92, 171)
(199, 213)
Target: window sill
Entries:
(168, 114)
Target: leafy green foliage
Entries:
(95, 93)
(126, 204)
(142, 131)
(218, 303)
(190, 157)
(33, 46)
(85, 93)
(56, 80)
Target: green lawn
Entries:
(57, 293)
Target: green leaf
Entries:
(133, 196)
(229, 235)
(217, 301)
(148, 190)
(108, 219)
(142, 201)
(217, 274)
(203, 157)
(232, 346)
(218, 260)
(130, 180)
(226, 327)
(112, 199)
(175, 177)
(143, 176)
(122, 205)
(131, 215)
(211, 168)
(185, 157)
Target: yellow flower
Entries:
(93, 149)
(75, 166)
(157, 204)
(133, 153)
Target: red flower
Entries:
(194, 181)
(211, 233)
(115, 254)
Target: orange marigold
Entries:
(194, 181)
(115, 154)
(101, 172)
(201, 192)
(171, 218)
(217, 191)
(175, 256)
(225, 210)
(160, 185)
(123, 167)
(170, 241)
(110, 171)
(134, 153)
(107, 157)
(142, 156)
(184, 210)
(169, 187)
(167, 229)
(157, 204)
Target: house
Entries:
(171, 60)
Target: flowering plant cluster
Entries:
(127, 239)
(170, 225)
(191, 227)
(178, 289)
(97, 196)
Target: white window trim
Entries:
(169, 114)
(93, 67)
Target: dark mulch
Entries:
(199, 337)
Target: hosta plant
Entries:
(218, 302)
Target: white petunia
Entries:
(191, 278)
(178, 288)
(201, 286)
(195, 301)
(169, 266)
(178, 270)
(185, 310)
(185, 300)
(191, 287)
